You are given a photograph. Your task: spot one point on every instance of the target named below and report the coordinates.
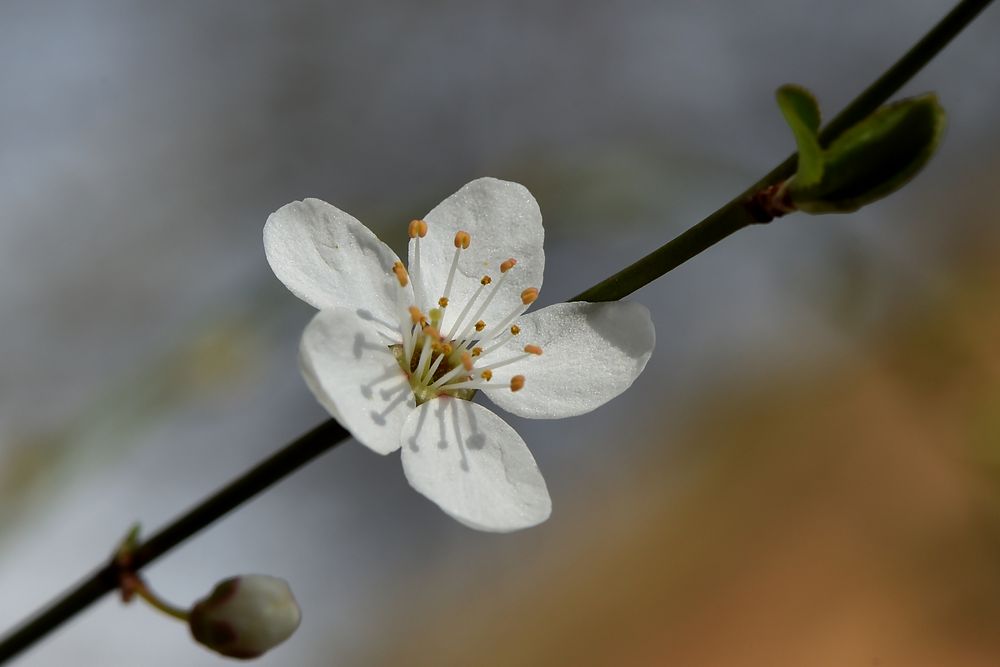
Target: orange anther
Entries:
(417, 228)
(532, 349)
(401, 274)
(443, 302)
(486, 280)
(467, 361)
(415, 315)
(487, 375)
(432, 332)
(514, 330)
(507, 265)
(480, 325)
(462, 240)
(517, 383)
(529, 295)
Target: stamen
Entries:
(462, 241)
(432, 370)
(517, 383)
(498, 342)
(465, 367)
(505, 268)
(514, 330)
(486, 280)
(425, 352)
(401, 274)
(465, 384)
(476, 351)
(528, 296)
(416, 316)
(405, 330)
(480, 325)
(447, 377)
(487, 375)
(506, 362)
(417, 230)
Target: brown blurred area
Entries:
(842, 516)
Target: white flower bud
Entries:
(246, 616)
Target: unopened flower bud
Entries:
(246, 616)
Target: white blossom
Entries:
(395, 354)
(246, 616)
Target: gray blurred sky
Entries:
(144, 144)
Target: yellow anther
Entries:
(467, 361)
(486, 280)
(446, 348)
(416, 316)
(462, 240)
(533, 349)
(401, 274)
(517, 383)
(529, 295)
(487, 375)
(514, 330)
(507, 265)
(417, 228)
(443, 302)
(480, 325)
(476, 351)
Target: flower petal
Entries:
(503, 221)
(355, 376)
(474, 466)
(329, 259)
(591, 352)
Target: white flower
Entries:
(394, 355)
(246, 616)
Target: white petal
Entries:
(329, 259)
(591, 352)
(474, 466)
(504, 221)
(352, 372)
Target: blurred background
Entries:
(808, 472)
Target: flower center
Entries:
(463, 359)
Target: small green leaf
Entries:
(875, 157)
(131, 540)
(801, 112)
